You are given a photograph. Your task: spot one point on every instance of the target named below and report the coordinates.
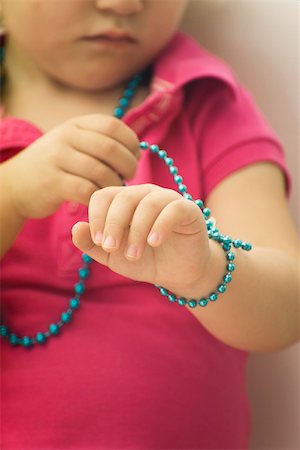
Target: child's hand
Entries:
(164, 233)
(70, 163)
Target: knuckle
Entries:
(181, 205)
(111, 126)
(66, 129)
(95, 196)
(86, 189)
(126, 195)
(136, 235)
(98, 173)
(150, 202)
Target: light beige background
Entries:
(259, 39)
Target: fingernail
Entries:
(109, 242)
(98, 237)
(153, 238)
(131, 251)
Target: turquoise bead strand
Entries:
(213, 233)
(54, 329)
(66, 316)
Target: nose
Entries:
(123, 7)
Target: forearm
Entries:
(11, 222)
(260, 309)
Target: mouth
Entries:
(111, 38)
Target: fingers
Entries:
(104, 149)
(142, 215)
(81, 238)
(77, 189)
(111, 127)
(86, 167)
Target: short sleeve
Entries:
(232, 134)
(15, 135)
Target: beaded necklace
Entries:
(79, 288)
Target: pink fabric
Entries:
(131, 371)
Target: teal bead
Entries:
(118, 112)
(66, 317)
(230, 256)
(209, 224)
(230, 267)
(162, 154)
(172, 298)
(199, 203)
(178, 179)
(169, 161)
(26, 341)
(182, 188)
(226, 247)
(246, 246)
(79, 288)
(133, 83)
(13, 339)
(206, 212)
(144, 145)
(86, 258)
(4, 330)
(173, 170)
(74, 303)
(237, 243)
(227, 240)
(221, 288)
(154, 148)
(40, 338)
(227, 278)
(192, 303)
(84, 272)
(163, 291)
(54, 328)
(187, 196)
(213, 297)
(203, 302)
(128, 93)
(124, 102)
(181, 301)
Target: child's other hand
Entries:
(164, 233)
(71, 162)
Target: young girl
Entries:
(149, 349)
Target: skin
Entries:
(260, 310)
(60, 54)
(86, 158)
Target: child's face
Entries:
(55, 37)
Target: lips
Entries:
(112, 36)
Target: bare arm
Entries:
(260, 309)
(11, 220)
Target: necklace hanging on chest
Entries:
(54, 329)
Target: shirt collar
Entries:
(184, 60)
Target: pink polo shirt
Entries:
(131, 371)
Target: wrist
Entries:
(7, 177)
(212, 276)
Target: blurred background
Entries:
(260, 41)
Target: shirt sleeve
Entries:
(232, 134)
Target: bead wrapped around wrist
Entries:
(213, 233)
